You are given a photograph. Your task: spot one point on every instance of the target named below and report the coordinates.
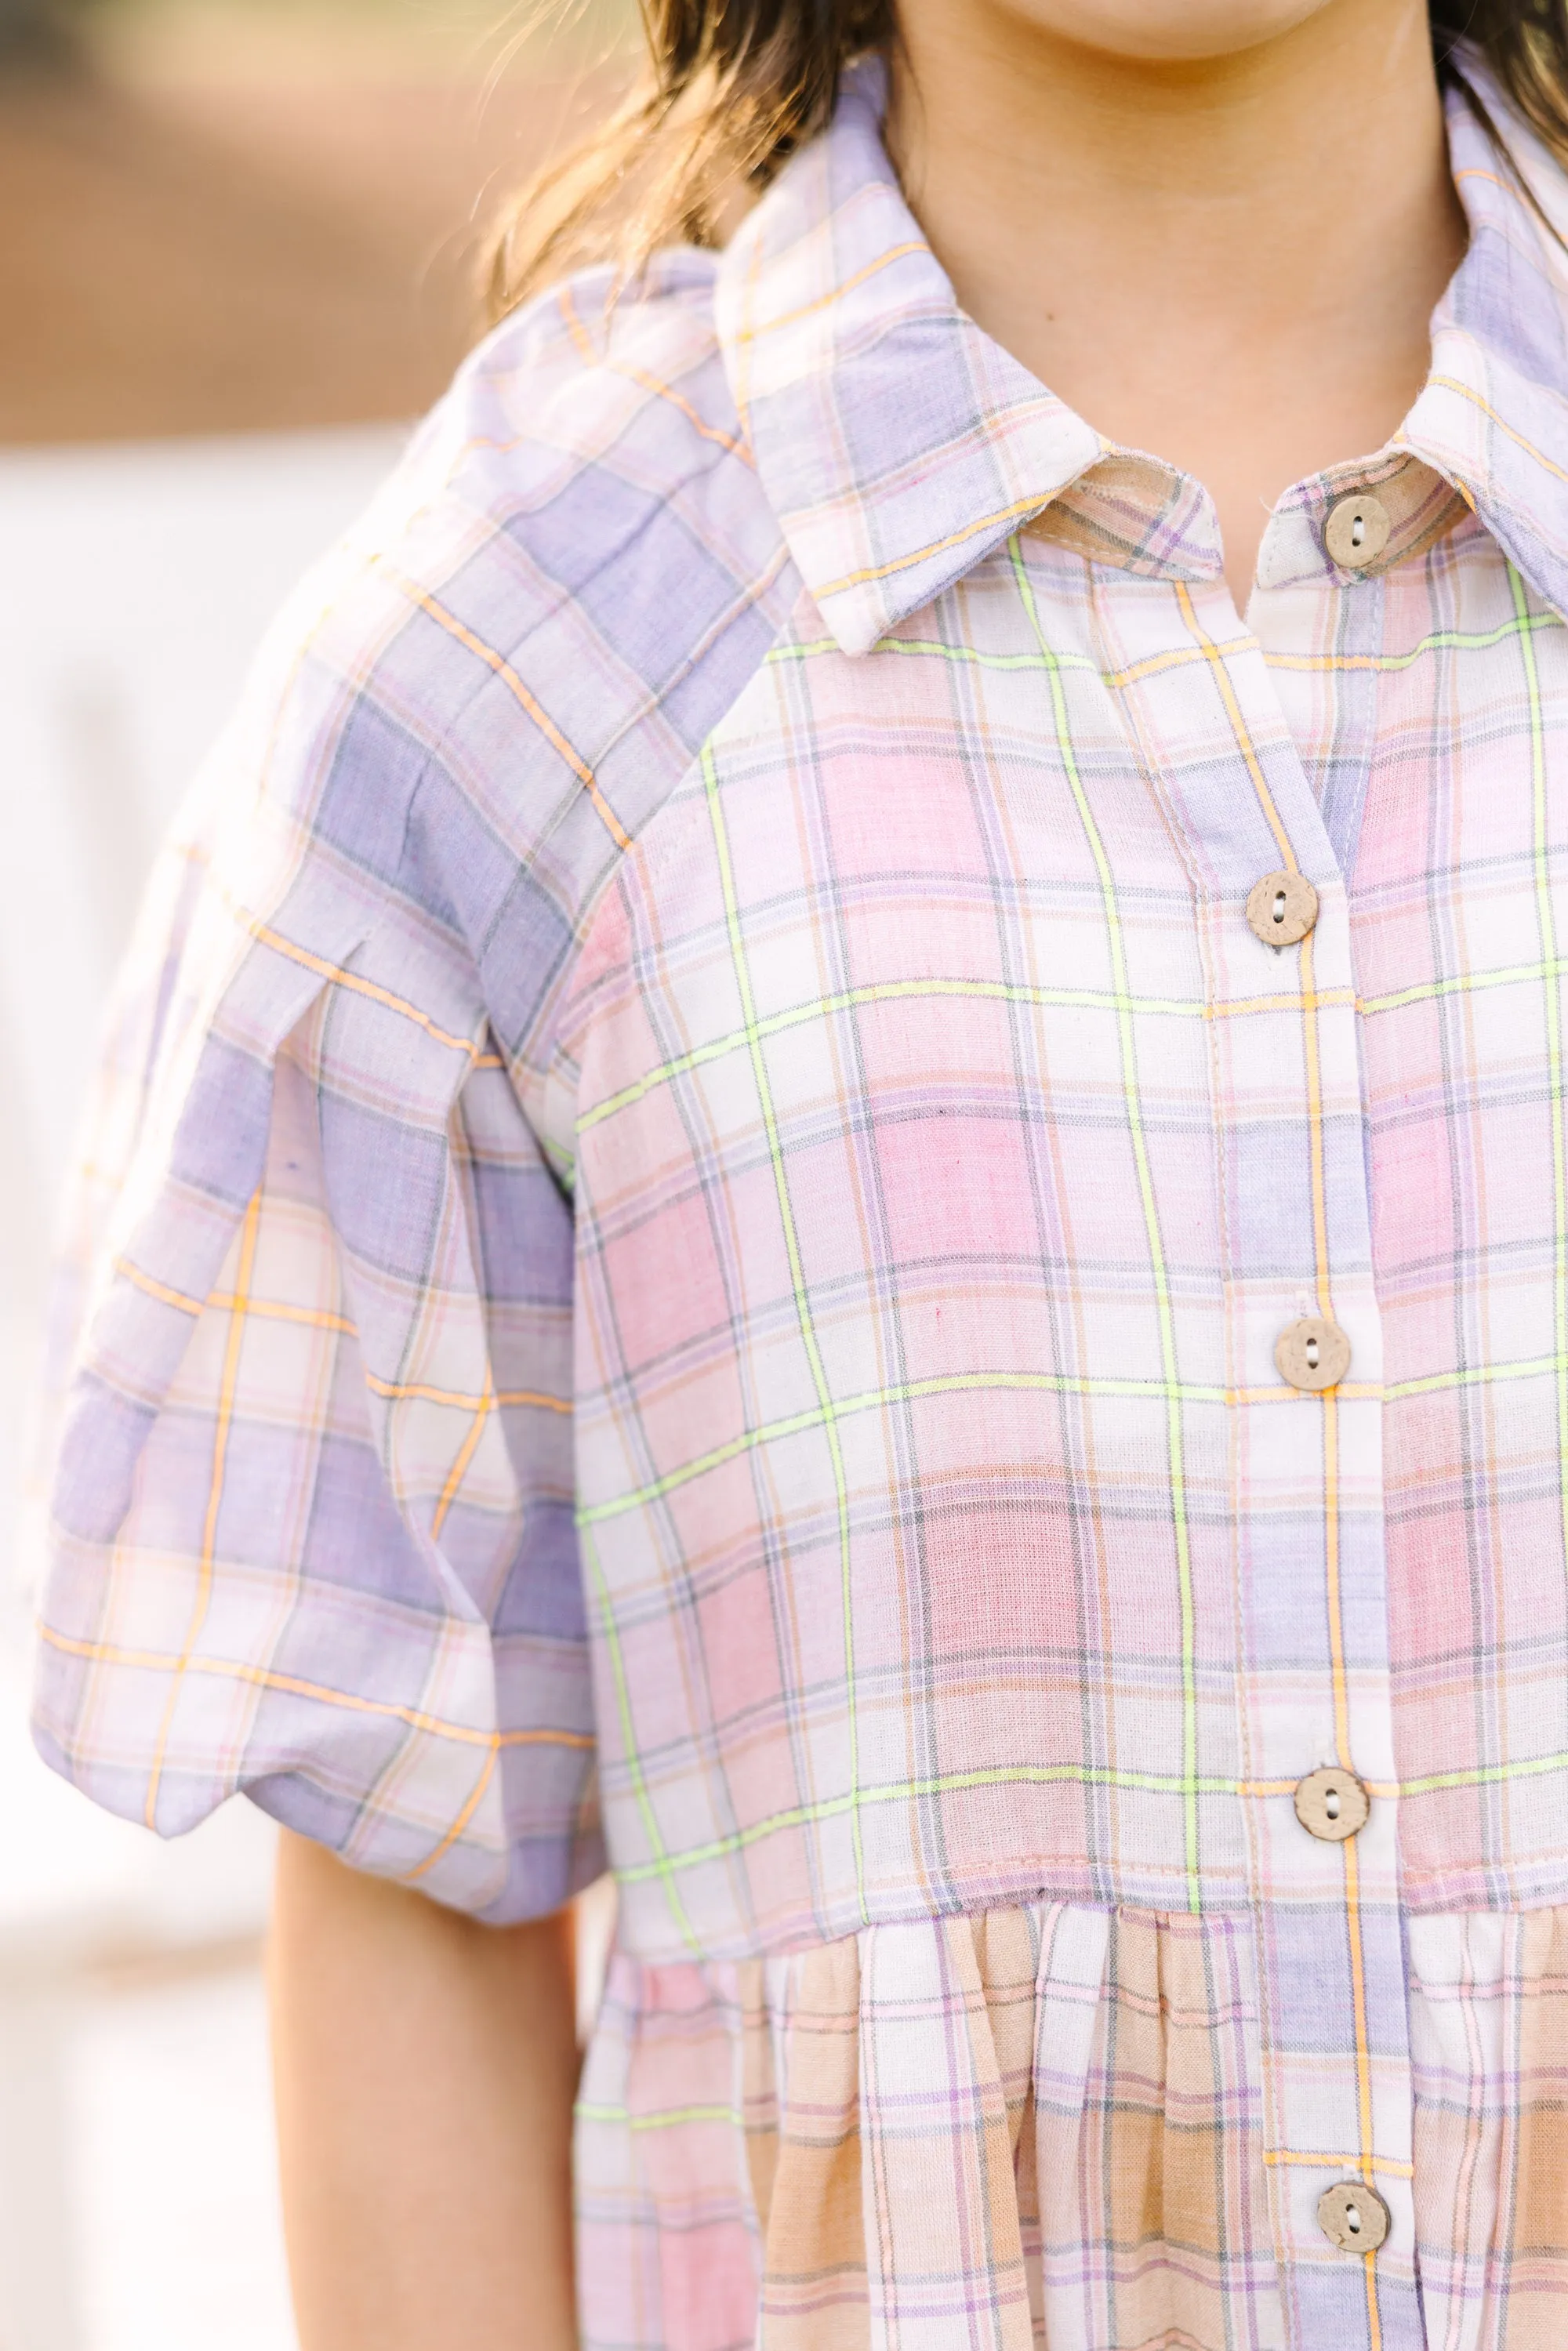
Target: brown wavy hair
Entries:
(732, 87)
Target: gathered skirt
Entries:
(1043, 2129)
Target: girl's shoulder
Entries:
(574, 425)
(468, 711)
(603, 392)
(574, 558)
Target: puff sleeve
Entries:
(312, 1534)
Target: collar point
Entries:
(856, 619)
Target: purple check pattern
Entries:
(697, 1181)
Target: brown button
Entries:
(1312, 1354)
(1357, 531)
(1281, 908)
(1352, 2216)
(1332, 1804)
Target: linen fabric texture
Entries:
(696, 1182)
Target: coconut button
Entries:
(1357, 531)
(1332, 1804)
(1281, 908)
(1312, 1353)
(1352, 2216)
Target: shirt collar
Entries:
(895, 443)
(1492, 417)
(898, 444)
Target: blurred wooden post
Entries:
(40, 2252)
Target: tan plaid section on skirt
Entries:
(1045, 2128)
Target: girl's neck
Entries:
(1230, 262)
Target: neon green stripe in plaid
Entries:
(1464, 641)
(1513, 975)
(1552, 1002)
(892, 991)
(1438, 641)
(1188, 1392)
(1484, 1775)
(1173, 1433)
(797, 1423)
(1531, 1367)
(661, 1867)
(1038, 1775)
(943, 1783)
(932, 648)
(798, 1276)
(1072, 999)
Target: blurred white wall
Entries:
(137, 2205)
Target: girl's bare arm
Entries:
(424, 2068)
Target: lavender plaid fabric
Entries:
(697, 1181)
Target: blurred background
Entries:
(239, 247)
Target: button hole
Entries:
(1358, 531)
(1311, 1354)
(1331, 1804)
(1353, 2220)
(1279, 905)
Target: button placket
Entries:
(1314, 1679)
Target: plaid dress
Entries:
(696, 1182)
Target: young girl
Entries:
(815, 1181)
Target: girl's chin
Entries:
(1171, 31)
